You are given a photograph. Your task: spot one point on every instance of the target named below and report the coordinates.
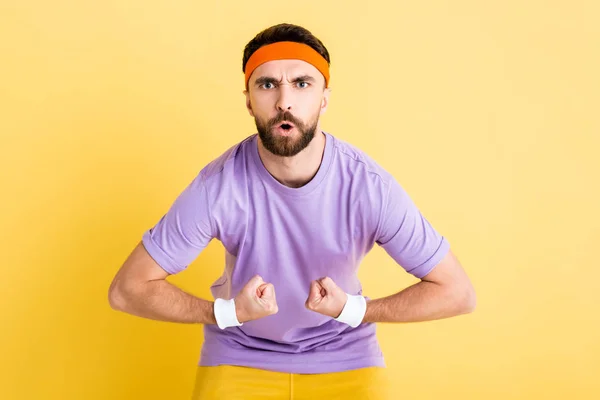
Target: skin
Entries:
(305, 100)
(292, 90)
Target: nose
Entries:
(284, 101)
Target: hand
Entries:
(255, 300)
(325, 297)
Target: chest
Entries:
(296, 239)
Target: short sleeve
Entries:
(407, 236)
(183, 232)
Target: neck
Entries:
(298, 170)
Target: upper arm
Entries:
(449, 273)
(170, 245)
(138, 269)
(183, 232)
(406, 235)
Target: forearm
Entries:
(163, 301)
(423, 301)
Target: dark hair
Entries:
(283, 33)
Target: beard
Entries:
(286, 146)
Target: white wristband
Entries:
(353, 311)
(225, 313)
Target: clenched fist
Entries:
(255, 300)
(325, 297)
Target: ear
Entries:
(325, 100)
(248, 103)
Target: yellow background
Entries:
(486, 112)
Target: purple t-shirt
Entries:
(291, 236)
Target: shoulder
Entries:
(359, 164)
(227, 162)
(222, 172)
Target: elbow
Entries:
(116, 297)
(468, 300)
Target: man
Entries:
(296, 210)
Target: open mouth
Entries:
(285, 127)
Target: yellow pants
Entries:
(226, 382)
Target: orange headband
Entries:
(285, 51)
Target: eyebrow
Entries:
(270, 79)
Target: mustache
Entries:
(285, 116)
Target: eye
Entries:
(306, 84)
(266, 84)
